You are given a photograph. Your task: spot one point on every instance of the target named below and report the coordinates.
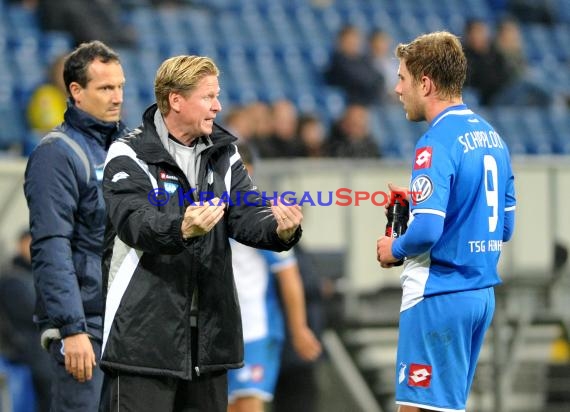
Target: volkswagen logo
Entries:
(422, 187)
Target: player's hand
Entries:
(399, 189)
(79, 356)
(384, 252)
(200, 219)
(396, 189)
(289, 218)
(306, 344)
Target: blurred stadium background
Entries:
(268, 49)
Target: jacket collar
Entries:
(102, 132)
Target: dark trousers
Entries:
(144, 393)
(297, 390)
(68, 394)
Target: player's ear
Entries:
(427, 85)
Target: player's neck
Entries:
(436, 106)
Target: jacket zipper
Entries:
(189, 337)
(200, 182)
(201, 178)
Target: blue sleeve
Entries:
(509, 225)
(510, 205)
(424, 231)
(52, 191)
(278, 260)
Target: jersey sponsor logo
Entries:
(165, 176)
(251, 373)
(423, 158)
(170, 187)
(257, 373)
(422, 189)
(420, 375)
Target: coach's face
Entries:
(409, 93)
(102, 97)
(199, 107)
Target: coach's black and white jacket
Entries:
(150, 274)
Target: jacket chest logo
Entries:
(171, 183)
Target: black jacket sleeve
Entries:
(250, 219)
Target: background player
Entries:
(260, 277)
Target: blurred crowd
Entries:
(360, 66)
(277, 130)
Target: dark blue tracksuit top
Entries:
(67, 222)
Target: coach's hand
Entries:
(199, 220)
(289, 218)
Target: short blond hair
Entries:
(181, 74)
(439, 56)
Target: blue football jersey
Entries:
(462, 172)
(257, 288)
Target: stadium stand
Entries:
(270, 50)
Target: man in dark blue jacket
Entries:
(67, 221)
